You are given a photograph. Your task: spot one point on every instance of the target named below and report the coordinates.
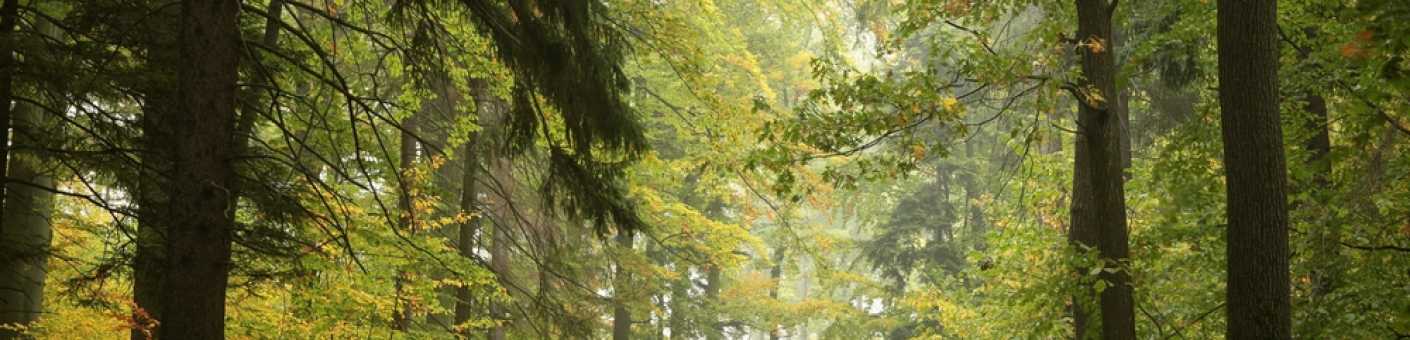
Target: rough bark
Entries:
(1255, 171)
(1081, 232)
(201, 207)
(1099, 207)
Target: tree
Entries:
(200, 217)
(1255, 171)
(1098, 199)
(621, 314)
(25, 225)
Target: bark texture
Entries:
(1255, 171)
(1099, 204)
(201, 206)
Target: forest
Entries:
(704, 169)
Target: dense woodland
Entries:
(704, 169)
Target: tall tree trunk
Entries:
(26, 233)
(401, 317)
(148, 275)
(1082, 232)
(1255, 171)
(24, 243)
(469, 200)
(159, 102)
(201, 214)
(1099, 207)
(465, 243)
(499, 264)
(621, 315)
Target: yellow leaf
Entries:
(951, 104)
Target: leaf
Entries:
(1095, 44)
(951, 104)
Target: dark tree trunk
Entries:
(465, 243)
(1099, 207)
(148, 276)
(1081, 231)
(401, 317)
(469, 202)
(621, 316)
(1255, 171)
(159, 102)
(201, 213)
